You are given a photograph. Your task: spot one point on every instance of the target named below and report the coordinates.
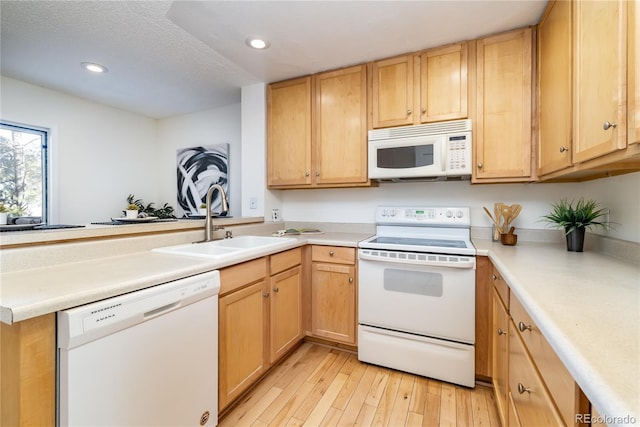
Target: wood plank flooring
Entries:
(319, 386)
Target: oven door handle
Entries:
(469, 262)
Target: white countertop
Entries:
(587, 305)
(30, 293)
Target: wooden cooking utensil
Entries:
(490, 216)
(515, 211)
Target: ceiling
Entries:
(167, 58)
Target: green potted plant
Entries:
(574, 219)
(131, 211)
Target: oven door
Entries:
(428, 300)
(412, 157)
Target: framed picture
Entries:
(198, 168)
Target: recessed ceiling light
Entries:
(94, 68)
(257, 43)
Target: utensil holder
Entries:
(509, 239)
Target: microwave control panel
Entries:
(459, 154)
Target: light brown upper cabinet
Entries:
(421, 88)
(600, 48)
(503, 134)
(554, 88)
(317, 130)
(340, 154)
(633, 84)
(605, 121)
(289, 133)
(443, 83)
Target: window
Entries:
(23, 171)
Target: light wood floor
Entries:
(318, 386)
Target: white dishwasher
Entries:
(147, 358)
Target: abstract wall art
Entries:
(198, 168)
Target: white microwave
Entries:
(435, 151)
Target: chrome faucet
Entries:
(208, 227)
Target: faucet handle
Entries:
(228, 234)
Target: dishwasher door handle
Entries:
(161, 310)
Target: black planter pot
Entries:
(575, 240)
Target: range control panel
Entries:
(433, 216)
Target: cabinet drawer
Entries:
(284, 260)
(558, 380)
(334, 254)
(237, 276)
(532, 403)
(501, 286)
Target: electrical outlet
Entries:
(253, 203)
(275, 214)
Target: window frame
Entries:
(45, 150)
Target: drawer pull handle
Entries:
(350, 279)
(501, 332)
(522, 389)
(276, 289)
(266, 294)
(523, 327)
(563, 149)
(331, 253)
(494, 277)
(608, 125)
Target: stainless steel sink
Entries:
(235, 246)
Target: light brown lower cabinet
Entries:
(260, 319)
(28, 371)
(531, 383)
(500, 355)
(532, 403)
(333, 293)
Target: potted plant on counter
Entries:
(131, 211)
(574, 220)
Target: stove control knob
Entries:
(384, 212)
(392, 212)
(449, 214)
(459, 214)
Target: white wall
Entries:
(99, 154)
(210, 127)
(357, 205)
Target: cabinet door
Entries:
(600, 49)
(242, 340)
(289, 132)
(500, 356)
(341, 126)
(443, 83)
(333, 302)
(554, 88)
(503, 125)
(633, 101)
(393, 92)
(532, 403)
(286, 311)
(28, 368)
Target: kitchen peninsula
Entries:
(585, 304)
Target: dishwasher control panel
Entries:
(84, 323)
